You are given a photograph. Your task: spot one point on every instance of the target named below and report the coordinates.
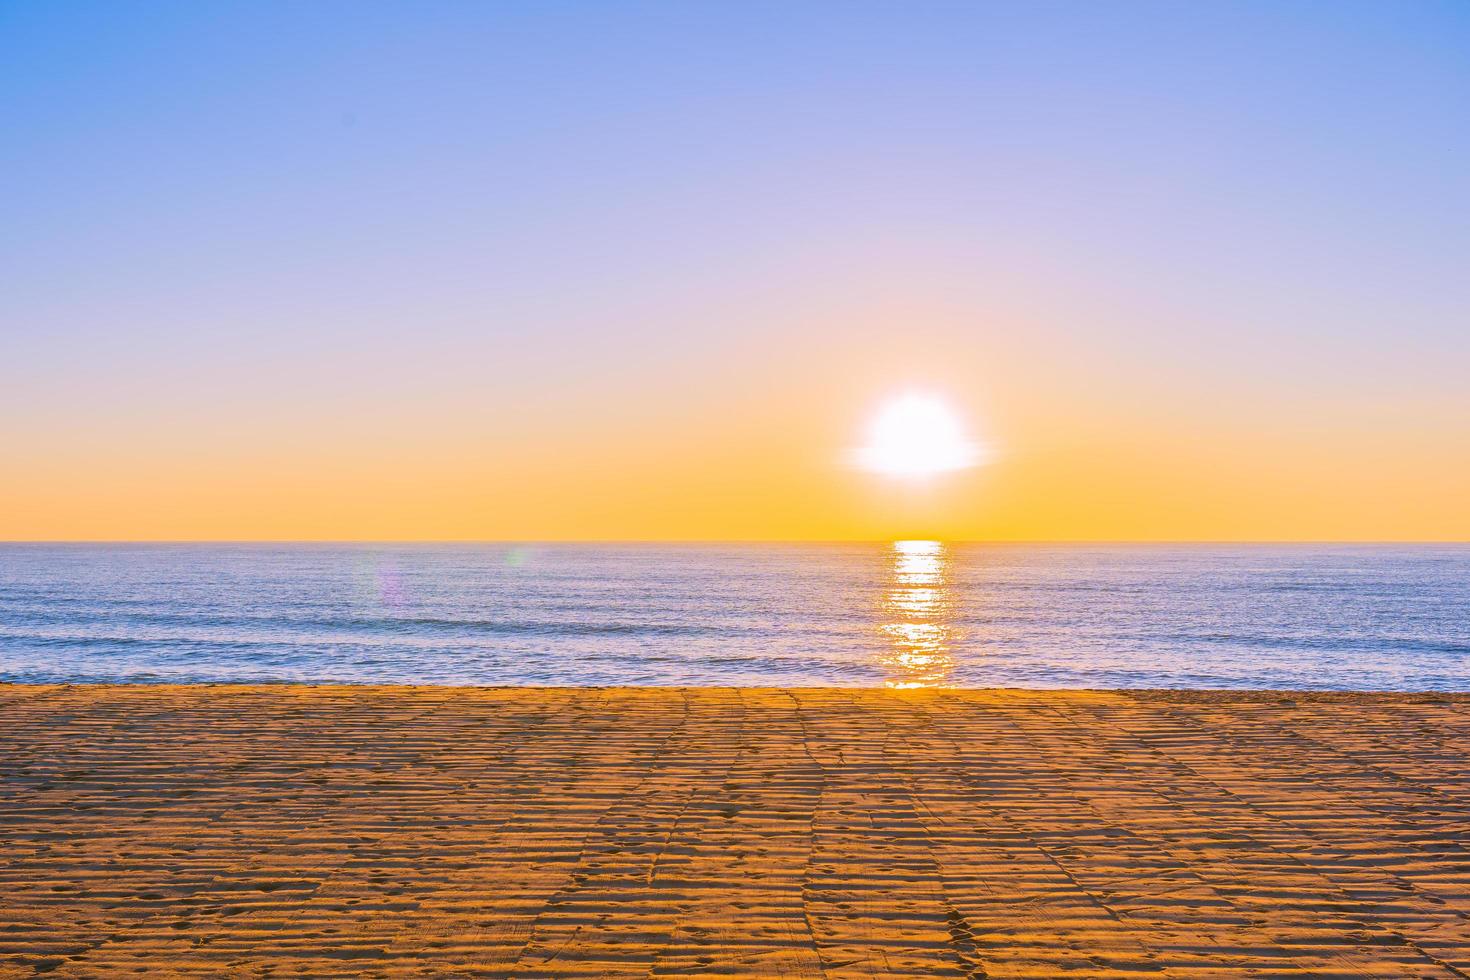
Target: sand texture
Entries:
(223, 830)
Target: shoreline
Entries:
(1223, 693)
(828, 831)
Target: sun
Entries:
(915, 436)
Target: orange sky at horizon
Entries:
(1029, 504)
(751, 460)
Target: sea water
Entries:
(904, 614)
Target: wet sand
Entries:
(231, 830)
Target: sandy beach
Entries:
(283, 830)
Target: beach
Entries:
(212, 830)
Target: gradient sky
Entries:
(576, 270)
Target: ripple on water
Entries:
(911, 613)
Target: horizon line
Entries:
(736, 541)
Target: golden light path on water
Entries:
(915, 615)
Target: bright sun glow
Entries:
(917, 436)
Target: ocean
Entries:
(902, 614)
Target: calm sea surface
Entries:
(906, 613)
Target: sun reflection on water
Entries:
(915, 618)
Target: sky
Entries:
(528, 271)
